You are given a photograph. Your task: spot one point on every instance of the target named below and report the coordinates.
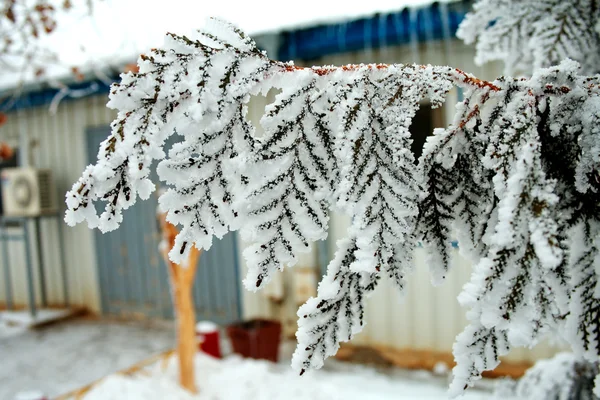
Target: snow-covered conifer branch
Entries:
(584, 317)
(531, 34)
(563, 377)
(338, 138)
(337, 312)
(523, 256)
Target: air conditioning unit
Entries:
(28, 192)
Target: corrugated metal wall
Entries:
(58, 142)
(426, 317)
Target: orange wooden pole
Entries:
(182, 282)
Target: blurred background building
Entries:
(122, 274)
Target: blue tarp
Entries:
(43, 97)
(434, 22)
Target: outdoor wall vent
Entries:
(28, 192)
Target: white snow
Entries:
(25, 319)
(7, 330)
(30, 395)
(206, 327)
(63, 357)
(564, 376)
(236, 378)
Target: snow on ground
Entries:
(68, 355)
(234, 378)
(7, 330)
(25, 319)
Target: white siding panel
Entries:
(59, 144)
(254, 304)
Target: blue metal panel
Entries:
(45, 94)
(133, 277)
(381, 30)
(102, 264)
(323, 254)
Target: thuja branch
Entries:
(456, 75)
(338, 138)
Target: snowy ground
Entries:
(66, 356)
(234, 378)
(69, 355)
(23, 318)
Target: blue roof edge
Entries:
(381, 30)
(377, 31)
(45, 96)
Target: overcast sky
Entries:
(120, 30)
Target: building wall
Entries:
(58, 142)
(424, 318)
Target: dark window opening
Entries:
(425, 121)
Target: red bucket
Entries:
(257, 338)
(207, 334)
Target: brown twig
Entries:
(459, 76)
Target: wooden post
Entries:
(182, 281)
